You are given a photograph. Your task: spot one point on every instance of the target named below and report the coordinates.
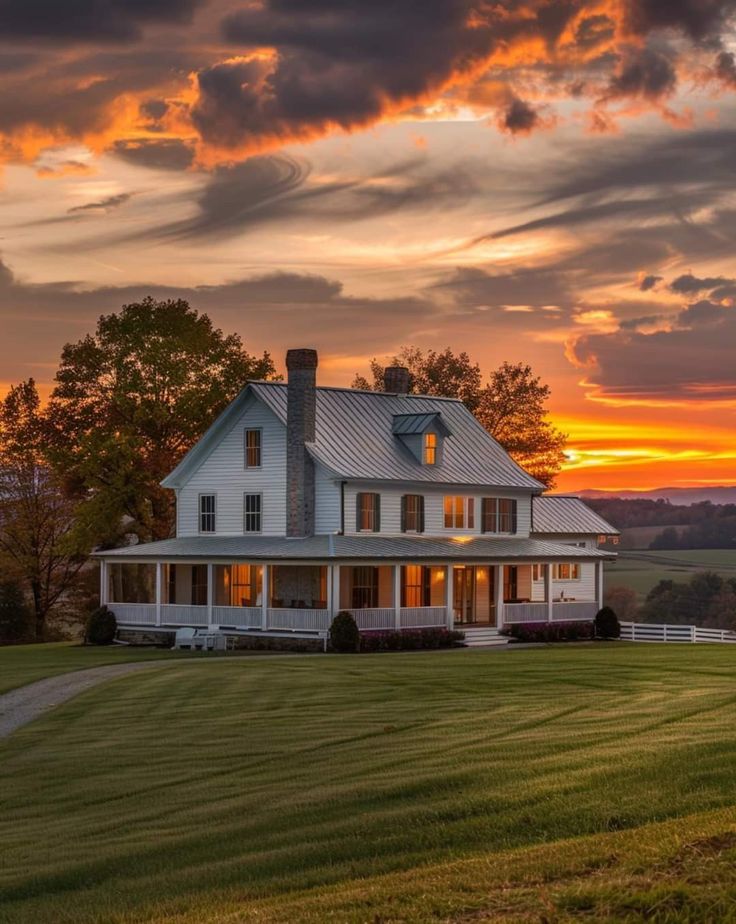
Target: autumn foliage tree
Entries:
(511, 405)
(128, 403)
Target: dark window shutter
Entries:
(426, 587)
(402, 598)
(513, 516)
(376, 513)
(358, 502)
(420, 501)
(403, 513)
(484, 514)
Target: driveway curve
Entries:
(24, 704)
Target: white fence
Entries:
(562, 611)
(296, 619)
(134, 614)
(657, 632)
(374, 618)
(243, 617)
(179, 614)
(423, 617)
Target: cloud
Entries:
(643, 72)
(519, 117)
(700, 19)
(155, 153)
(688, 284)
(648, 282)
(103, 205)
(725, 69)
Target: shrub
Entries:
(15, 619)
(410, 639)
(623, 601)
(550, 631)
(344, 634)
(101, 627)
(607, 624)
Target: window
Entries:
(252, 504)
(365, 588)
(253, 448)
(368, 512)
(566, 571)
(430, 448)
(498, 515)
(199, 585)
(415, 585)
(459, 512)
(207, 504)
(412, 513)
(239, 585)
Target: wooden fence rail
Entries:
(659, 632)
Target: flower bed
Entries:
(550, 631)
(409, 640)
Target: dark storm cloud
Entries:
(700, 19)
(519, 117)
(688, 284)
(103, 205)
(154, 153)
(643, 72)
(471, 286)
(648, 282)
(89, 20)
(725, 69)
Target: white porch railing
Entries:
(134, 614)
(298, 619)
(374, 618)
(657, 632)
(243, 617)
(570, 610)
(179, 614)
(524, 612)
(423, 617)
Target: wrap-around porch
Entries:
(279, 597)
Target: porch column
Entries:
(599, 583)
(210, 592)
(265, 595)
(334, 606)
(159, 587)
(397, 597)
(548, 590)
(448, 597)
(103, 582)
(498, 594)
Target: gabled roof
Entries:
(355, 439)
(410, 424)
(564, 514)
(315, 548)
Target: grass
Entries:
(21, 664)
(581, 783)
(642, 570)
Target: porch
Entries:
(287, 598)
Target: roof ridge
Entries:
(362, 391)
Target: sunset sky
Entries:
(552, 181)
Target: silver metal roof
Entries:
(407, 424)
(563, 514)
(336, 548)
(355, 439)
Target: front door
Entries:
(463, 594)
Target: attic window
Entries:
(430, 448)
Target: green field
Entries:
(586, 783)
(642, 570)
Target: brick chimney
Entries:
(396, 380)
(301, 420)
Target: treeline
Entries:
(717, 533)
(625, 514)
(707, 600)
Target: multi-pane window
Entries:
(253, 448)
(412, 513)
(415, 585)
(365, 588)
(459, 512)
(430, 448)
(252, 512)
(368, 512)
(498, 515)
(207, 504)
(566, 571)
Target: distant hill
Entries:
(684, 496)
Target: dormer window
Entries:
(430, 448)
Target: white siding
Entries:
(433, 508)
(326, 501)
(224, 474)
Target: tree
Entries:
(14, 615)
(130, 400)
(36, 517)
(623, 601)
(511, 405)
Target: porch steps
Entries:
(484, 637)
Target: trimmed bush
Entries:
(607, 624)
(15, 618)
(344, 634)
(410, 640)
(550, 631)
(101, 627)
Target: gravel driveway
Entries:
(18, 707)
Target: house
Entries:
(301, 501)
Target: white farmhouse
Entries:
(301, 501)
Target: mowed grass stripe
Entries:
(154, 794)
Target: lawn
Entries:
(642, 570)
(590, 782)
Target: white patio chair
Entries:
(185, 638)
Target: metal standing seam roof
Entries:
(558, 514)
(409, 424)
(355, 439)
(335, 548)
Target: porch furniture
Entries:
(184, 638)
